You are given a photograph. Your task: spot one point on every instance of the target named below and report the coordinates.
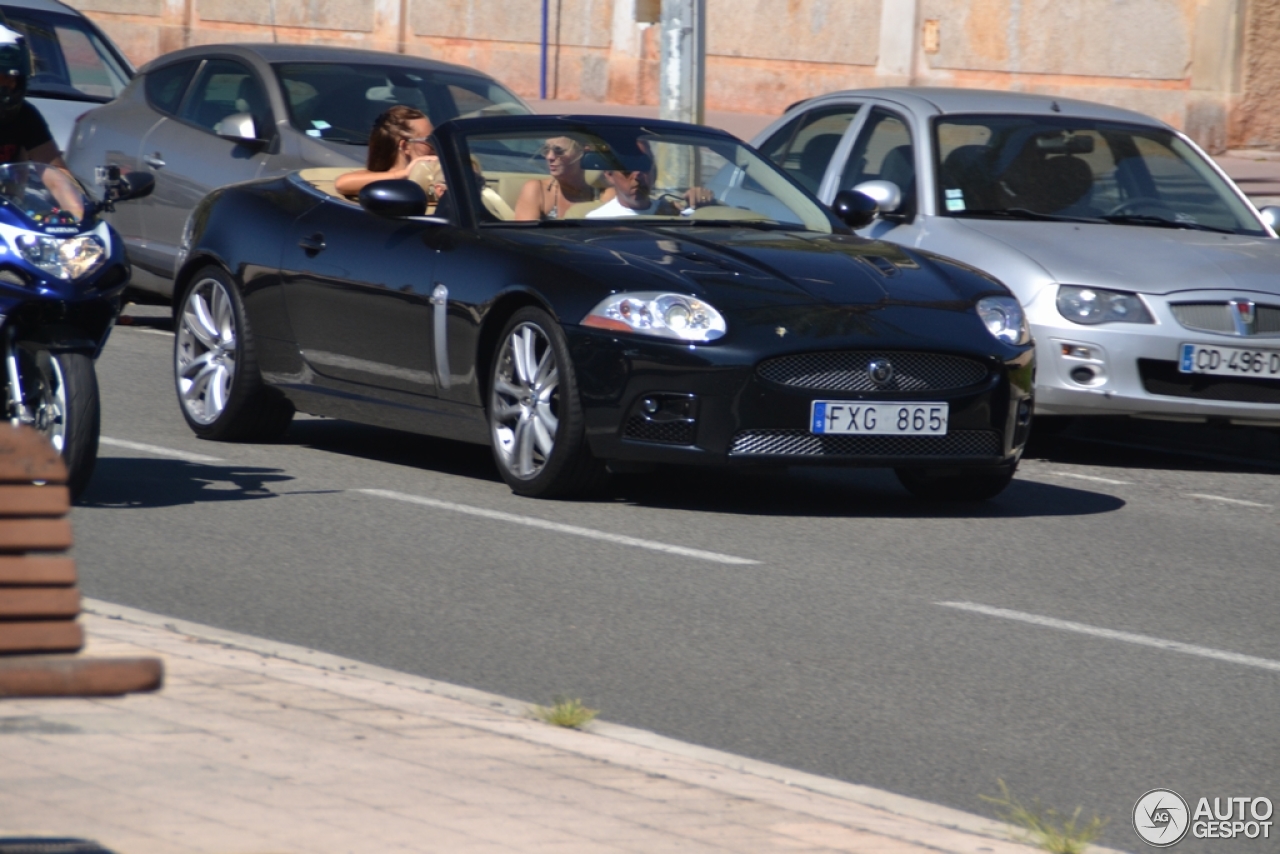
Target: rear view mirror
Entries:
(855, 208)
(1271, 216)
(394, 198)
(238, 127)
(887, 195)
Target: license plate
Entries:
(878, 419)
(1229, 361)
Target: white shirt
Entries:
(613, 208)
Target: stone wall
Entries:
(1204, 65)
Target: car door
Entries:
(188, 158)
(884, 150)
(804, 147)
(358, 289)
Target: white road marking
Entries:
(148, 331)
(1111, 634)
(159, 451)
(1091, 478)
(1226, 500)
(574, 530)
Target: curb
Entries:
(865, 796)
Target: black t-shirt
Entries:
(22, 132)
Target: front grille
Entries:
(802, 443)
(666, 432)
(847, 371)
(1161, 377)
(1216, 317)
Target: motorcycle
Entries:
(62, 272)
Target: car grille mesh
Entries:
(1216, 317)
(847, 371)
(665, 432)
(802, 443)
(1162, 377)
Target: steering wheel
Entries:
(1138, 202)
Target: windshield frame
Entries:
(1247, 221)
(811, 215)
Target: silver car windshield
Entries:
(594, 175)
(1032, 167)
(70, 59)
(338, 102)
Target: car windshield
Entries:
(1033, 167)
(339, 102)
(70, 59)
(658, 173)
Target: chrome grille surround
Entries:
(802, 443)
(1217, 317)
(847, 370)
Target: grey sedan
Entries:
(213, 115)
(1152, 285)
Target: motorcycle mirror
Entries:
(135, 185)
(855, 209)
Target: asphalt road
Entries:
(822, 620)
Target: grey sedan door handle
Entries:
(313, 244)
(155, 161)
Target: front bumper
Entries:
(1132, 369)
(709, 405)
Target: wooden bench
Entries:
(39, 599)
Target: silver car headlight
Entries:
(65, 257)
(662, 315)
(1097, 305)
(1004, 319)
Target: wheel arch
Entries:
(187, 274)
(495, 318)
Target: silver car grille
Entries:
(1221, 317)
(802, 443)
(849, 371)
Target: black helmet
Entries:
(15, 62)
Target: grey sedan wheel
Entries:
(220, 389)
(535, 418)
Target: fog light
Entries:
(649, 405)
(1084, 376)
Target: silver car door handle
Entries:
(313, 244)
(155, 161)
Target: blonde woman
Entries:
(567, 185)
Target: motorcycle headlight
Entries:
(1097, 305)
(662, 315)
(65, 257)
(1004, 319)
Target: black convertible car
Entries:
(695, 306)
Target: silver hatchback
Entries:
(1152, 285)
(204, 117)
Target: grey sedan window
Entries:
(883, 152)
(70, 58)
(165, 86)
(225, 88)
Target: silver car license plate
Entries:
(878, 419)
(1229, 361)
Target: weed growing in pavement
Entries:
(565, 712)
(1043, 826)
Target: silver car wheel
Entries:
(524, 409)
(206, 353)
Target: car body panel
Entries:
(1165, 266)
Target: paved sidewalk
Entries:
(254, 746)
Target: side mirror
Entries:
(135, 185)
(394, 198)
(887, 194)
(238, 127)
(854, 208)
(1271, 216)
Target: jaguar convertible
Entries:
(696, 306)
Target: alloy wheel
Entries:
(206, 351)
(525, 404)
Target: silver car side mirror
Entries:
(238, 127)
(887, 194)
(1271, 216)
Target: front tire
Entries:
(220, 388)
(61, 391)
(536, 423)
(957, 484)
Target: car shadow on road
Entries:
(394, 447)
(144, 482)
(1127, 443)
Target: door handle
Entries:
(155, 161)
(313, 244)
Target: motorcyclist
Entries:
(24, 135)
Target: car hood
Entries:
(745, 268)
(1135, 258)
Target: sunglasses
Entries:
(557, 150)
(424, 140)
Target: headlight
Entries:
(677, 316)
(65, 257)
(1004, 319)
(1095, 305)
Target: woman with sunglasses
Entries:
(566, 186)
(397, 143)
